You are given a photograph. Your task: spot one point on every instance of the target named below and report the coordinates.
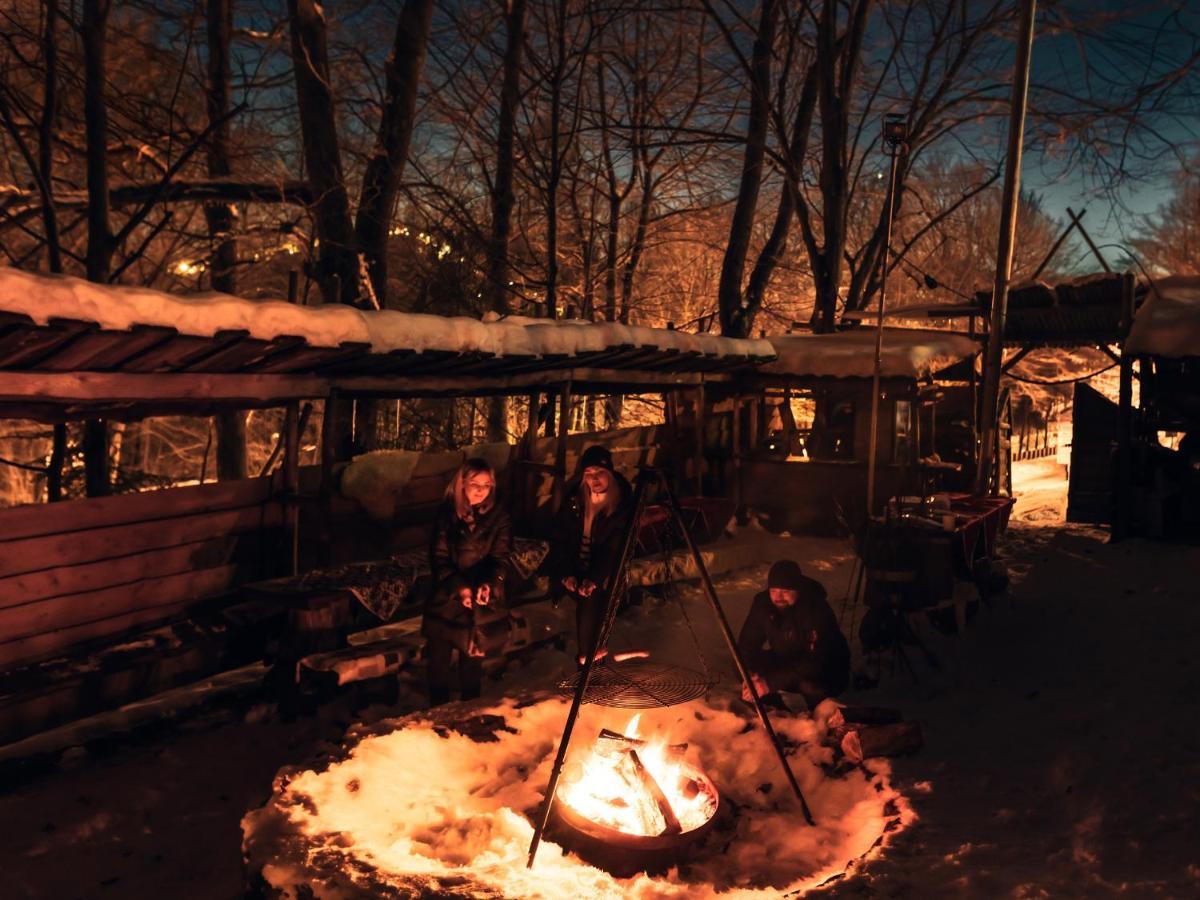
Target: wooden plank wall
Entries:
(84, 570)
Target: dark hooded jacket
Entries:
(797, 647)
(462, 556)
(607, 531)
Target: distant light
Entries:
(185, 268)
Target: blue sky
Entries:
(1129, 44)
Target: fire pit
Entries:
(631, 805)
(440, 803)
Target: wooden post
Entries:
(755, 417)
(328, 457)
(523, 484)
(699, 426)
(291, 480)
(1123, 517)
(736, 454)
(560, 450)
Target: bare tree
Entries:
(734, 321)
(231, 426)
(1168, 241)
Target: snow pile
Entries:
(419, 807)
(1168, 322)
(120, 307)
(906, 353)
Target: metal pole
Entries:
(610, 615)
(1004, 252)
(895, 151)
(731, 643)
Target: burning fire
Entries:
(639, 787)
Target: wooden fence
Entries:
(1039, 453)
(86, 570)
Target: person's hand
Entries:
(464, 596)
(760, 687)
(569, 584)
(473, 649)
(586, 588)
(483, 595)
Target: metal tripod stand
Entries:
(646, 477)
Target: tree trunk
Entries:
(58, 443)
(789, 197)
(734, 322)
(385, 168)
(230, 425)
(100, 241)
(837, 65)
(502, 189)
(638, 244)
(337, 263)
(502, 192)
(555, 174)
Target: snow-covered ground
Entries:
(1062, 754)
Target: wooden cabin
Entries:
(794, 434)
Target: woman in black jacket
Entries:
(587, 541)
(468, 558)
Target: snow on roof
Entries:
(1168, 322)
(120, 307)
(906, 353)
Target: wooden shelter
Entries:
(1160, 479)
(97, 572)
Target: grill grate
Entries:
(639, 684)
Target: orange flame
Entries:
(607, 787)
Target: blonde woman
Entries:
(468, 558)
(587, 541)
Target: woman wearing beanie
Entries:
(791, 640)
(468, 558)
(586, 545)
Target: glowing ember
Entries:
(639, 787)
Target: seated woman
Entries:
(468, 558)
(587, 541)
(791, 640)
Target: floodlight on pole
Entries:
(895, 145)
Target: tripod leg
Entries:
(610, 615)
(731, 643)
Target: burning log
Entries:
(670, 820)
(609, 735)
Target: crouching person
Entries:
(791, 640)
(468, 558)
(586, 548)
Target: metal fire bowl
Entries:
(625, 855)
